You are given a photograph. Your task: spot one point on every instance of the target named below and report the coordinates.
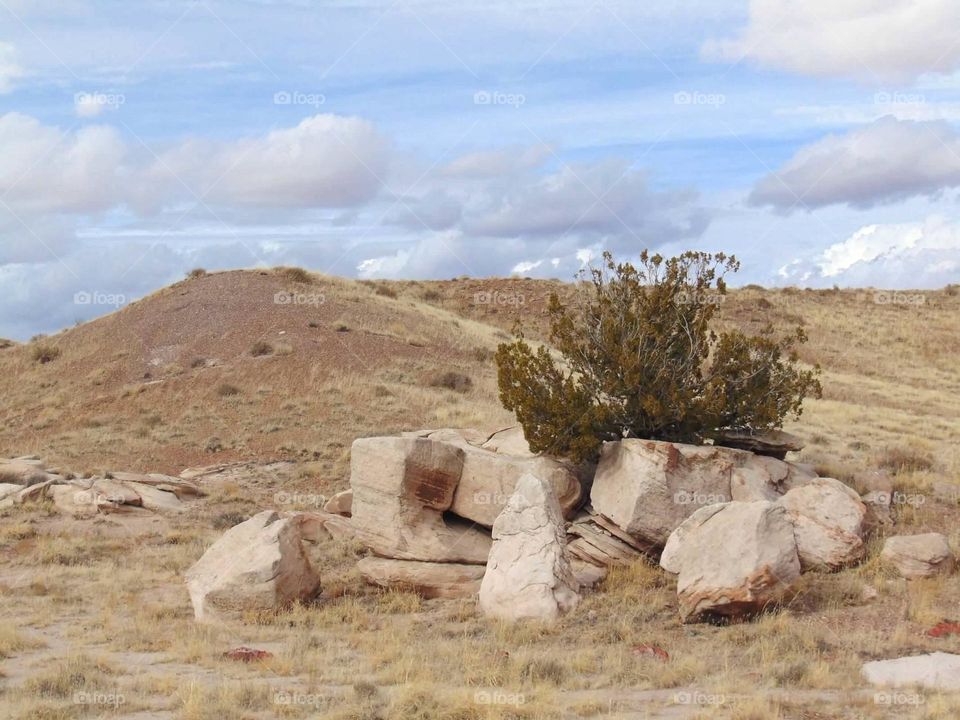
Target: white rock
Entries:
(153, 498)
(732, 559)
(937, 671)
(429, 579)
(257, 565)
(509, 441)
(401, 488)
(918, 556)
(765, 478)
(829, 520)
(340, 504)
(528, 574)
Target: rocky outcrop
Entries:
(771, 443)
(918, 556)
(829, 521)
(765, 478)
(732, 559)
(260, 564)
(428, 579)
(402, 486)
(593, 539)
(528, 574)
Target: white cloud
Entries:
(886, 161)
(10, 70)
(900, 255)
(874, 40)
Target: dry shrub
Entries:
(902, 459)
(261, 348)
(44, 353)
(295, 274)
(456, 381)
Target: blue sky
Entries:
(427, 139)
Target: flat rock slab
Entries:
(938, 671)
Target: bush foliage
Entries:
(641, 358)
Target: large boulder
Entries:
(429, 579)
(509, 441)
(22, 471)
(647, 487)
(528, 574)
(732, 559)
(260, 564)
(759, 477)
(829, 521)
(489, 479)
(918, 556)
(771, 443)
(402, 486)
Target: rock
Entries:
(116, 492)
(918, 556)
(587, 574)
(647, 487)
(32, 493)
(874, 481)
(528, 573)
(179, 487)
(429, 579)
(773, 443)
(401, 488)
(509, 441)
(829, 520)
(153, 498)
(8, 493)
(74, 500)
(257, 565)
(22, 471)
(340, 503)
(489, 478)
(320, 527)
(766, 478)
(597, 541)
(454, 435)
(732, 559)
(936, 671)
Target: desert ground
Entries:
(216, 372)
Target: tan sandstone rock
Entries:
(401, 488)
(829, 521)
(257, 565)
(429, 579)
(918, 556)
(340, 504)
(528, 574)
(732, 559)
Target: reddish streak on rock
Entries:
(246, 654)
(654, 651)
(943, 629)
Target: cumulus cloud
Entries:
(901, 255)
(886, 161)
(874, 40)
(10, 71)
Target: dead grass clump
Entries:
(261, 348)
(295, 274)
(227, 390)
(902, 459)
(43, 353)
(451, 380)
(196, 273)
(386, 291)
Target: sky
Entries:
(819, 142)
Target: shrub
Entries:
(900, 459)
(640, 359)
(455, 381)
(227, 390)
(260, 348)
(296, 274)
(431, 296)
(43, 353)
(386, 291)
(196, 273)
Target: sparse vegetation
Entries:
(905, 459)
(295, 274)
(227, 390)
(44, 353)
(261, 348)
(451, 380)
(196, 273)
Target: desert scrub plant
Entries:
(456, 381)
(261, 348)
(44, 353)
(641, 359)
(196, 273)
(295, 274)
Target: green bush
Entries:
(640, 358)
